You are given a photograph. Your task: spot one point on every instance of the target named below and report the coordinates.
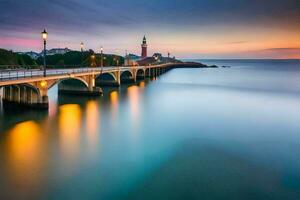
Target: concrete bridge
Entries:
(30, 87)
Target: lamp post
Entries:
(117, 59)
(101, 62)
(44, 36)
(93, 60)
(104, 59)
(81, 48)
(126, 58)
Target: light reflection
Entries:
(92, 123)
(142, 84)
(114, 102)
(26, 148)
(52, 109)
(69, 130)
(133, 96)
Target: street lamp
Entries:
(126, 58)
(44, 36)
(101, 50)
(117, 59)
(93, 60)
(81, 48)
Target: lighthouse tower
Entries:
(144, 48)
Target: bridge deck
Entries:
(25, 76)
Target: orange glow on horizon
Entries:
(228, 41)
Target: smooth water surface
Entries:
(227, 133)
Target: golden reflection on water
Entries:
(52, 109)
(142, 84)
(69, 130)
(92, 124)
(134, 98)
(114, 102)
(26, 155)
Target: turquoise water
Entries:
(227, 133)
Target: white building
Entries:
(57, 51)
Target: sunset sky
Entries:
(186, 28)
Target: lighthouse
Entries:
(144, 48)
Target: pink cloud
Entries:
(16, 43)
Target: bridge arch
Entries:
(70, 79)
(140, 74)
(106, 79)
(127, 77)
(70, 85)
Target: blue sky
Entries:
(186, 28)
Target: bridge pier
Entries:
(23, 96)
(35, 94)
(153, 73)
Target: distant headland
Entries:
(67, 58)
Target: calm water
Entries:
(228, 133)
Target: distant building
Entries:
(131, 60)
(133, 57)
(31, 54)
(158, 57)
(147, 61)
(144, 60)
(144, 48)
(57, 51)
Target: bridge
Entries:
(29, 88)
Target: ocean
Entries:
(215, 133)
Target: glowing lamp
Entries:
(43, 84)
(44, 35)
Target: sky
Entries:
(185, 28)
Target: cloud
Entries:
(90, 14)
(283, 49)
(236, 42)
(272, 53)
(123, 21)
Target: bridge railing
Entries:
(29, 73)
(21, 74)
(36, 67)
